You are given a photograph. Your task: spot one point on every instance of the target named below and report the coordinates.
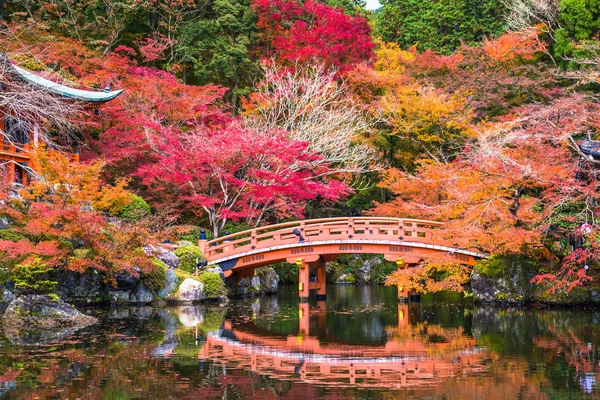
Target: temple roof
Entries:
(66, 91)
(61, 90)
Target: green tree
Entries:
(439, 25)
(581, 18)
(351, 7)
(219, 47)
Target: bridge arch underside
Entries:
(315, 255)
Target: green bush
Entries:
(191, 233)
(188, 257)
(214, 287)
(350, 279)
(134, 211)
(288, 273)
(12, 235)
(580, 18)
(33, 278)
(157, 278)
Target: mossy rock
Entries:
(504, 279)
(350, 279)
(157, 278)
(188, 256)
(577, 296)
(214, 287)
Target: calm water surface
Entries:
(358, 344)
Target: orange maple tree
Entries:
(61, 220)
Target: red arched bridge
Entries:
(311, 244)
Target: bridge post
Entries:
(402, 292)
(321, 278)
(304, 319)
(303, 279)
(202, 241)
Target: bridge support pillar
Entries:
(304, 284)
(303, 279)
(304, 319)
(322, 291)
(402, 291)
(414, 296)
(402, 295)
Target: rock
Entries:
(345, 279)
(169, 258)
(141, 312)
(40, 312)
(366, 270)
(29, 337)
(503, 280)
(126, 281)
(190, 316)
(265, 281)
(118, 313)
(190, 290)
(483, 287)
(6, 297)
(577, 296)
(164, 255)
(171, 283)
(215, 270)
(249, 286)
(4, 223)
(158, 303)
(183, 243)
(141, 295)
(118, 297)
(268, 280)
(85, 288)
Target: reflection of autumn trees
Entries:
(568, 346)
(506, 379)
(504, 354)
(561, 346)
(431, 339)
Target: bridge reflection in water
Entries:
(416, 354)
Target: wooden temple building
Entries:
(19, 137)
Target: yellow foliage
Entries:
(74, 183)
(391, 59)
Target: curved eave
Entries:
(66, 91)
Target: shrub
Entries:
(155, 279)
(288, 273)
(214, 287)
(350, 279)
(191, 233)
(33, 278)
(188, 257)
(134, 211)
(12, 235)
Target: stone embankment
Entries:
(508, 281)
(174, 282)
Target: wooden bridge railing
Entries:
(328, 229)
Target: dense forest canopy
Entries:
(242, 113)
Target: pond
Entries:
(360, 343)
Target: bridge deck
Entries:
(335, 236)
